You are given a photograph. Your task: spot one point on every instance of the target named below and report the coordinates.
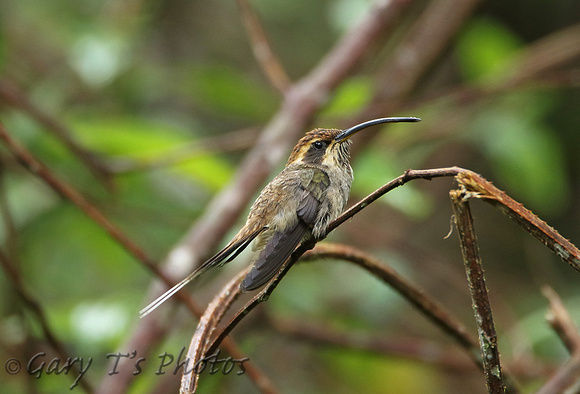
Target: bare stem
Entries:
(479, 296)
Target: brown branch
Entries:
(262, 49)
(480, 188)
(557, 49)
(11, 94)
(479, 296)
(416, 296)
(36, 167)
(259, 297)
(425, 41)
(430, 308)
(427, 306)
(409, 175)
(534, 64)
(68, 192)
(561, 321)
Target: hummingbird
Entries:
(297, 205)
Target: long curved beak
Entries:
(355, 129)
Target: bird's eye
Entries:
(318, 144)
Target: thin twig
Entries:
(262, 49)
(229, 142)
(67, 191)
(479, 296)
(432, 31)
(416, 296)
(561, 321)
(542, 56)
(35, 166)
(409, 175)
(566, 380)
(534, 65)
(259, 297)
(420, 46)
(11, 94)
(411, 348)
(472, 186)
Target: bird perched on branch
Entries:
(297, 205)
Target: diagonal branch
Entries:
(567, 378)
(561, 321)
(420, 47)
(483, 189)
(67, 191)
(13, 95)
(262, 49)
(416, 296)
(36, 167)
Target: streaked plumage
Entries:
(299, 203)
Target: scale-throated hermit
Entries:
(298, 204)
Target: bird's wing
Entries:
(230, 252)
(313, 185)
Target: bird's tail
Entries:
(227, 254)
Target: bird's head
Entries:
(331, 147)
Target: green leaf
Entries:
(229, 92)
(373, 372)
(375, 168)
(485, 48)
(146, 141)
(524, 151)
(349, 98)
